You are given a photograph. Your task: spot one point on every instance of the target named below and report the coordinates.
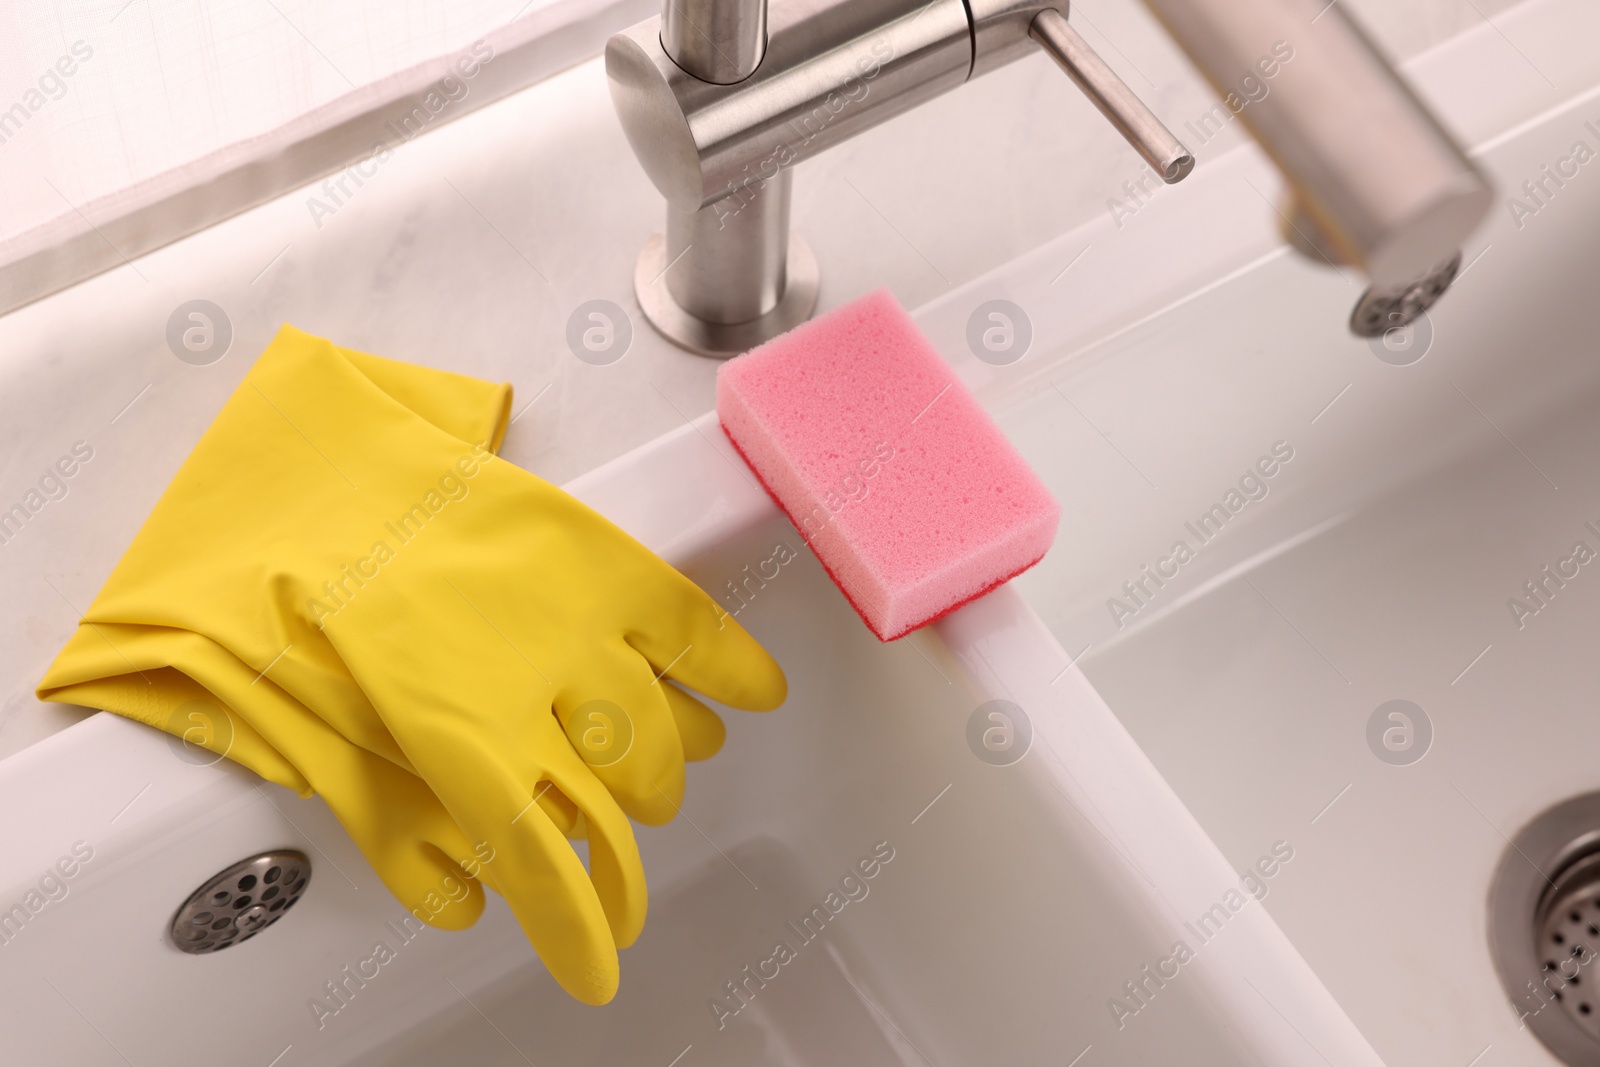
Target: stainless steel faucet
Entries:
(721, 98)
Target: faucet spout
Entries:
(1375, 181)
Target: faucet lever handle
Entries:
(1136, 122)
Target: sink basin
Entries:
(1053, 789)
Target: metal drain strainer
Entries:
(1544, 928)
(1569, 940)
(236, 904)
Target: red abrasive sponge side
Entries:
(899, 481)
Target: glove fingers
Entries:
(701, 729)
(555, 900)
(403, 830)
(614, 865)
(621, 725)
(705, 648)
(575, 918)
(561, 811)
(438, 891)
(556, 905)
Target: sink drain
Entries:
(236, 904)
(1569, 934)
(1544, 928)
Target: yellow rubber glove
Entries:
(339, 569)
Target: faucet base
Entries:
(723, 340)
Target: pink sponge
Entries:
(906, 490)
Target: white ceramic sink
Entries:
(1022, 902)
